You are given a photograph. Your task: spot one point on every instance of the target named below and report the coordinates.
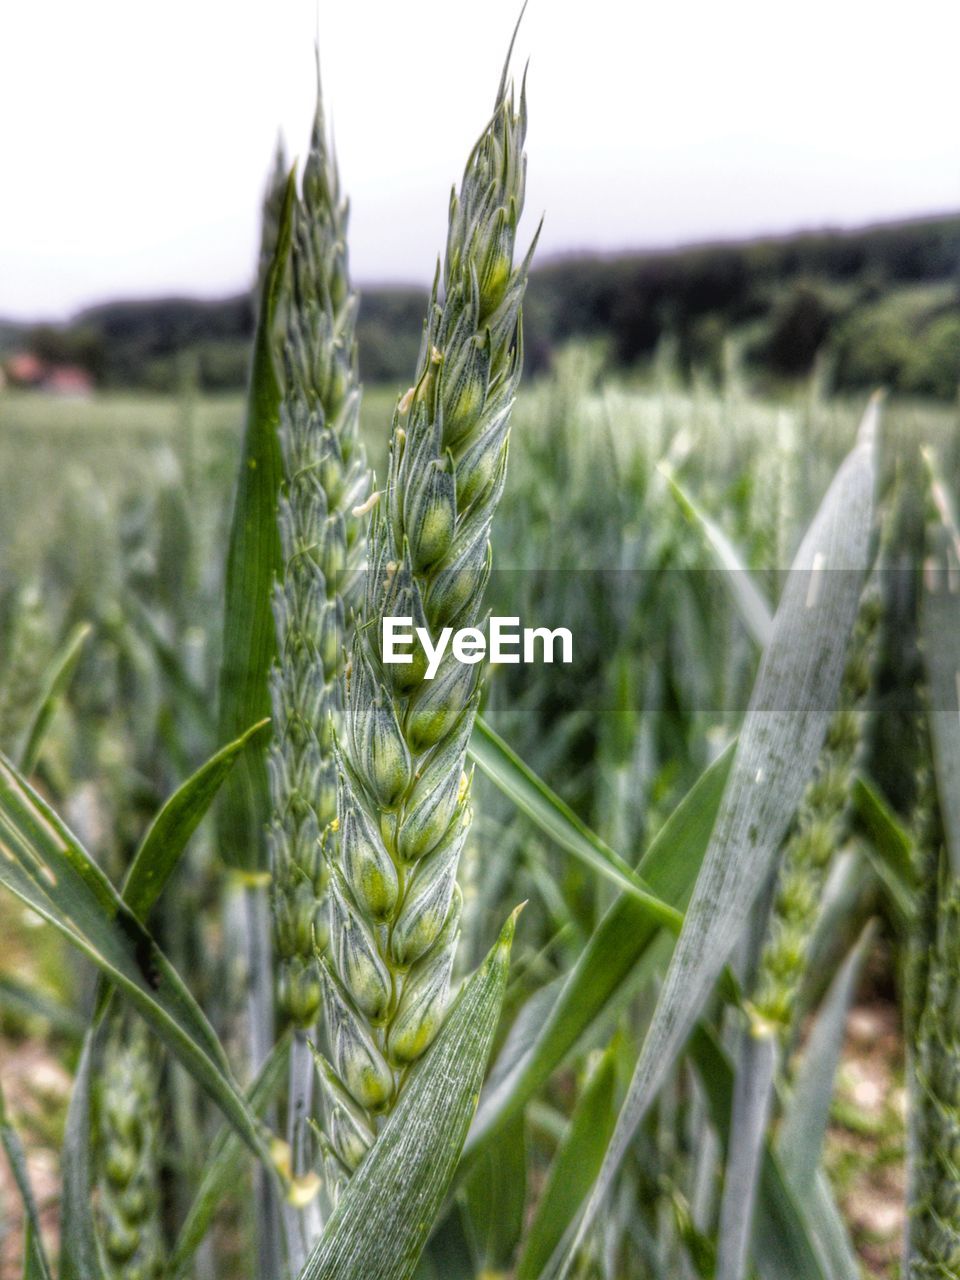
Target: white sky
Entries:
(136, 137)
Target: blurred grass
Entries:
(117, 438)
(126, 497)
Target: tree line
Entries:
(878, 305)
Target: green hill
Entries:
(882, 303)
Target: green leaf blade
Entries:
(801, 1137)
(253, 562)
(556, 819)
(224, 1163)
(574, 1168)
(165, 841)
(80, 1250)
(47, 868)
(783, 1245)
(889, 846)
(940, 629)
(746, 595)
(55, 686)
(670, 866)
(35, 1263)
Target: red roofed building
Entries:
(24, 369)
(68, 380)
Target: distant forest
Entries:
(877, 306)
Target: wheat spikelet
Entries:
(404, 799)
(325, 477)
(128, 1127)
(270, 214)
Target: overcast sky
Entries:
(136, 138)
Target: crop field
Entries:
(639, 961)
(129, 536)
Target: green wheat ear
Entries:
(128, 1134)
(404, 798)
(29, 648)
(932, 1009)
(324, 478)
(935, 1190)
(819, 831)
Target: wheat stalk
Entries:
(404, 799)
(324, 479)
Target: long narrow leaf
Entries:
(829, 1230)
(889, 842)
(943, 500)
(176, 822)
(28, 1002)
(495, 1198)
(384, 1218)
(574, 1168)
(535, 799)
(56, 683)
(80, 1252)
(626, 933)
(152, 867)
(191, 695)
(36, 1266)
(253, 562)
(46, 867)
(941, 651)
(801, 1137)
(150, 871)
(793, 698)
(449, 1254)
(753, 1087)
(746, 594)
(784, 1246)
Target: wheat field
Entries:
(637, 966)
